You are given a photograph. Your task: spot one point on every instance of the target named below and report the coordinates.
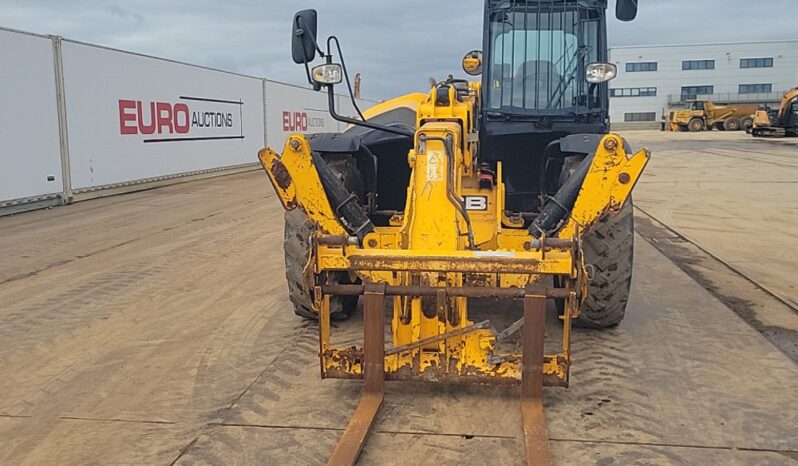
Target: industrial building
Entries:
(654, 78)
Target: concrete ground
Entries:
(154, 328)
(734, 195)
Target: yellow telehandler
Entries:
(507, 187)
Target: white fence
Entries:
(80, 121)
(30, 151)
(292, 109)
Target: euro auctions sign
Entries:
(188, 118)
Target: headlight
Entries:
(601, 72)
(327, 74)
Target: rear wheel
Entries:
(696, 124)
(296, 245)
(731, 124)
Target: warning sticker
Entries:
(434, 168)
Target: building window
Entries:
(641, 66)
(691, 92)
(698, 65)
(755, 88)
(756, 63)
(640, 116)
(634, 92)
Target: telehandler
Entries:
(505, 187)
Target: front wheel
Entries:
(696, 124)
(297, 245)
(609, 249)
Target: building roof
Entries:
(704, 43)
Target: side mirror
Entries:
(472, 63)
(626, 10)
(303, 37)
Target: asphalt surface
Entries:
(154, 328)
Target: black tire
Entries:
(609, 249)
(746, 123)
(296, 246)
(731, 124)
(695, 125)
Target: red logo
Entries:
(295, 121)
(155, 118)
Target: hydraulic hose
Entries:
(559, 206)
(344, 204)
(450, 194)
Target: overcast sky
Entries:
(396, 45)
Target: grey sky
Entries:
(396, 45)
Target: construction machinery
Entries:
(703, 114)
(505, 187)
(778, 123)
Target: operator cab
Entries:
(694, 105)
(546, 75)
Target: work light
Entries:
(600, 72)
(328, 74)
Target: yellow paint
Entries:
(428, 244)
(608, 183)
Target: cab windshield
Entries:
(538, 55)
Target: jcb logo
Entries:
(476, 202)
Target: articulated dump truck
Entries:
(504, 187)
(703, 114)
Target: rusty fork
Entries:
(354, 436)
(536, 440)
(534, 424)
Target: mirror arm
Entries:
(312, 37)
(346, 73)
(364, 123)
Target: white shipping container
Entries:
(29, 143)
(133, 117)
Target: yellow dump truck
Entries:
(701, 114)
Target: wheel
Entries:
(296, 246)
(696, 124)
(746, 123)
(609, 249)
(731, 124)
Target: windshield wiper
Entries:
(568, 76)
